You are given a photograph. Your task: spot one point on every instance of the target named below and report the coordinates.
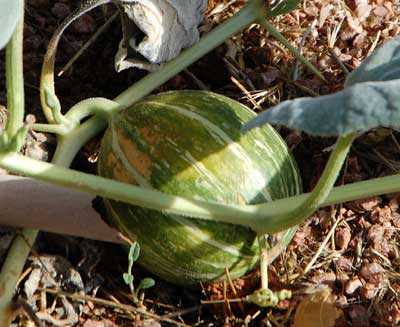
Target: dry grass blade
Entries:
(110, 304)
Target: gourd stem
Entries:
(323, 187)
(100, 107)
(70, 143)
(15, 78)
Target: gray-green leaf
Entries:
(283, 7)
(10, 12)
(128, 278)
(358, 108)
(146, 283)
(134, 252)
(382, 65)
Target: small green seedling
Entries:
(145, 283)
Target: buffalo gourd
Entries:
(189, 143)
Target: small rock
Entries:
(325, 219)
(342, 278)
(381, 11)
(380, 215)
(359, 316)
(368, 291)
(394, 204)
(84, 25)
(60, 10)
(372, 272)
(341, 300)
(98, 323)
(352, 285)
(349, 213)
(363, 223)
(394, 255)
(363, 11)
(365, 204)
(343, 237)
(375, 234)
(40, 3)
(396, 219)
(356, 243)
(395, 314)
(40, 21)
(327, 278)
(344, 264)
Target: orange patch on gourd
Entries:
(148, 135)
(139, 160)
(118, 171)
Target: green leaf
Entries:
(358, 108)
(134, 252)
(382, 65)
(146, 283)
(283, 7)
(10, 12)
(128, 278)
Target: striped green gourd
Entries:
(189, 143)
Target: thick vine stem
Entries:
(70, 143)
(263, 219)
(310, 204)
(100, 107)
(15, 79)
(324, 185)
(11, 271)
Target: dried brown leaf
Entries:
(317, 310)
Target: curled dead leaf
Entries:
(317, 310)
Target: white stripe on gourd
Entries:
(224, 139)
(203, 237)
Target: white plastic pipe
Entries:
(28, 203)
